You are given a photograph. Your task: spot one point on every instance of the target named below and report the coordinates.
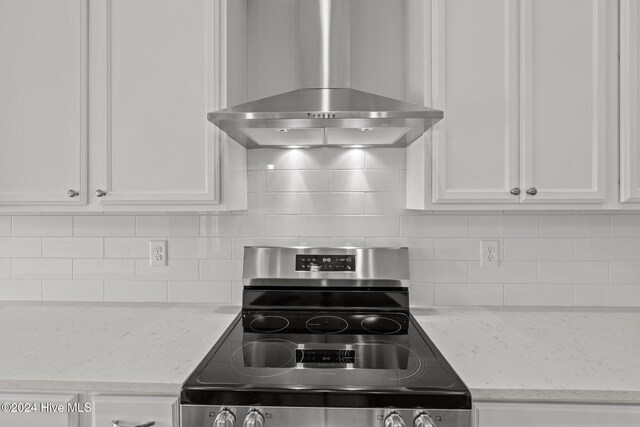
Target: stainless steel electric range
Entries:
(325, 338)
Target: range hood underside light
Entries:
(317, 137)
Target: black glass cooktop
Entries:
(337, 360)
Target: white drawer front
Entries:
(134, 410)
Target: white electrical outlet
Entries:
(158, 253)
(489, 253)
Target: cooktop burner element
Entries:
(325, 338)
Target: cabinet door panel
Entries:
(163, 76)
(475, 83)
(555, 415)
(46, 410)
(629, 84)
(43, 76)
(564, 98)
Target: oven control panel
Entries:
(344, 263)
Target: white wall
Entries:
(325, 197)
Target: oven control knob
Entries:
(253, 419)
(424, 420)
(394, 420)
(224, 419)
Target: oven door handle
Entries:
(118, 423)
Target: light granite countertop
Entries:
(568, 354)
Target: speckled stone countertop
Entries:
(567, 354)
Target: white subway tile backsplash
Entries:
(32, 225)
(238, 243)
(332, 241)
(386, 203)
(199, 247)
(607, 295)
(368, 180)
(607, 249)
(368, 226)
(104, 225)
(38, 268)
(72, 290)
(20, 247)
(130, 291)
(624, 272)
(255, 181)
(20, 290)
(72, 247)
(232, 225)
(434, 226)
(298, 180)
(103, 269)
(331, 158)
(421, 294)
(574, 225)
(462, 294)
(625, 225)
(385, 158)
(331, 203)
(463, 249)
(530, 249)
(273, 203)
(221, 270)
(439, 271)
(127, 247)
(272, 158)
(176, 269)
(5, 268)
(199, 292)
(5, 226)
(288, 225)
(506, 272)
(503, 226)
(573, 271)
(167, 225)
(538, 294)
(419, 247)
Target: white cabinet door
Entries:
(134, 410)
(555, 415)
(563, 79)
(629, 99)
(43, 102)
(158, 77)
(475, 74)
(30, 410)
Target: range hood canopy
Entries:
(326, 112)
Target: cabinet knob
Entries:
(72, 193)
(101, 193)
(224, 419)
(117, 423)
(532, 191)
(515, 191)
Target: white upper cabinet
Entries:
(161, 75)
(563, 79)
(629, 98)
(43, 97)
(475, 148)
(530, 114)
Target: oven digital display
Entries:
(325, 356)
(345, 263)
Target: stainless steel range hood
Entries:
(326, 111)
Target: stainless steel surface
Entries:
(515, 191)
(201, 415)
(394, 420)
(101, 193)
(423, 420)
(225, 418)
(253, 419)
(325, 43)
(72, 193)
(325, 111)
(532, 191)
(117, 423)
(388, 265)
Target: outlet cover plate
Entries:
(158, 253)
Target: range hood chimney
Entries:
(325, 111)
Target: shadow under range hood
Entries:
(326, 112)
